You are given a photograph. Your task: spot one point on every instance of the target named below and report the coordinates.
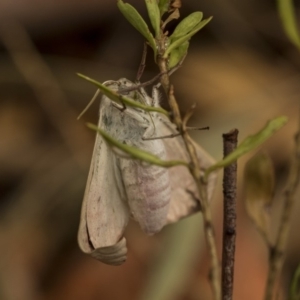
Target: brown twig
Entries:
(276, 256)
(229, 216)
(195, 171)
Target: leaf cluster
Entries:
(176, 45)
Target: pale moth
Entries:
(119, 187)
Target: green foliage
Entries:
(295, 285)
(178, 54)
(183, 32)
(135, 19)
(288, 19)
(250, 143)
(154, 16)
(176, 42)
(187, 25)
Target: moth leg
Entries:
(89, 104)
(156, 95)
(117, 106)
(154, 100)
(145, 96)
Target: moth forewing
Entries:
(104, 213)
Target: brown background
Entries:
(241, 71)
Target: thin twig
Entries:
(229, 216)
(276, 257)
(45, 86)
(195, 171)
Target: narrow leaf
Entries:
(187, 25)
(136, 153)
(115, 96)
(135, 19)
(250, 143)
(176, 43)
(259, 188)
(178, 54)
(154, 16)
(288, 19)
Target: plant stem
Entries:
(229, 216)
(195, 171)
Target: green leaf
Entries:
(288, 19)
(178, 54)
(136, 153)
(250, 143)
(295, 285)
(187, 25)
(135, 19)
(115, 96)
(177, 42)
(154, 16)
(259, 189)
(163, 6)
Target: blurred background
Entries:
(240, 71)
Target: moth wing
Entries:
(104, 214)
(184, 194)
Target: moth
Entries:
(119, 187)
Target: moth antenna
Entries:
(161, 137)
(89, 104)
(174, 134)
(140, 85)
(142, 63)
